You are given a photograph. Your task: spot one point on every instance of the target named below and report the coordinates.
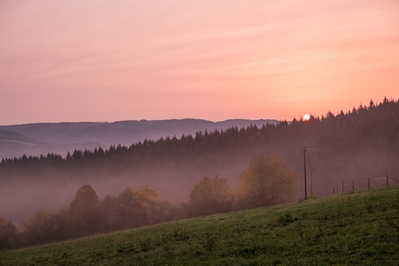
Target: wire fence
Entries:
(377, 182)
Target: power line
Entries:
(316, 170)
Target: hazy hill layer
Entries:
(12, 136)
(63, 137)
(15, 144)
(124, 132)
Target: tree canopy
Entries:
(267, 181)
(210, 195)
(9, 237)
(83, 210)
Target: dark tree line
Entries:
(87, 215)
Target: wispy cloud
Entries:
(239, 54)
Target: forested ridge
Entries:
(287, 139)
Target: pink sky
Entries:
(126, 60)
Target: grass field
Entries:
(359, 228)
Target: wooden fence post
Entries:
(368, 184)
(387, 181)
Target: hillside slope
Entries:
(16, 137)
(14, 143)
(356, 228)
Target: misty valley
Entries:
(187, 172)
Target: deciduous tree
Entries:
(37, 228)
(210, 195)
(83, 210)
(9, 237)
(108, 210)
(148, 203)
(265, 182)
(140, 207)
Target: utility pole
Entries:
(311, 180)
(304, 170)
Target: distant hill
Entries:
(124, 132)
(16, 137)
(67, 136)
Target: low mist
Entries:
(19, 199)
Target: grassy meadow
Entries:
(355, 228)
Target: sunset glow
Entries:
(216, 60)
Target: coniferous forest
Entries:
(157, 176)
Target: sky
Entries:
(103, 60)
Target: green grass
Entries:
(360, 228)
